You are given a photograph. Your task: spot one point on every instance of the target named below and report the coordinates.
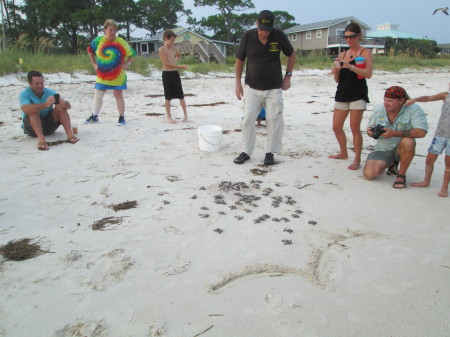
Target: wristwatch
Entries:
(289, 73)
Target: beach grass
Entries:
(16, 61)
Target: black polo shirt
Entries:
(263, 71)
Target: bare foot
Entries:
(443, 193)
(170, 121)
(338, 156)
(185, 119)
(421, 184)
(354, 166)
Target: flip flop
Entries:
(72, 140)
(393, 169)
(399, 185)
(42, 146)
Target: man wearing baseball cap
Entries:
(264, 82)
(399, 125)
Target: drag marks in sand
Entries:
(317, 270)
(322, 260)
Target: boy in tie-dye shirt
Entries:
(110, 56)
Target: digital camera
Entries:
(377, 130)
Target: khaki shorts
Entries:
(356, 105)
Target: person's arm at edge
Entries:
(238, 68)
(290, 66)
(441, 96)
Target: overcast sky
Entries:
(412, 16)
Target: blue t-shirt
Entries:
(28, 97)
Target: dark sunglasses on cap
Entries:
(350, 36)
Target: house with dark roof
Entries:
(327, 35)
(187, 42)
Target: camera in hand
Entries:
(377, 130)
(56, 98)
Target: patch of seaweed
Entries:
(151, 114)
(20, 250)
(208, 104)
(100, 225)
(124, 205)
(57, 142)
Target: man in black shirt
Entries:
(264, 83)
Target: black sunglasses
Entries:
(350, 36)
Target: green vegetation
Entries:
(51, 63)
(391, 62)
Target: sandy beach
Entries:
(204, 247)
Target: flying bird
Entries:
(443, 10)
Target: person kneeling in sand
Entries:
(440, 142)
(398, 126)
(42, 112)
(170, 55)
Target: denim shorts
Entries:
(438, 144)
(356, 105)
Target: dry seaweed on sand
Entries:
(56, 142)
(20, 250)
(100, 225)
(152, 114)
(124, 205)
(208, 104)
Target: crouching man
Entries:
(42, 113)
(395, 126)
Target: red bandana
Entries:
(396, 93)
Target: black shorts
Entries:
(172, 85)
(48, 125)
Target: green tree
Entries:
(284, 20)
(126, 12)
(160, 14)
(412, 47)
(227, 9)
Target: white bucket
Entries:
(209, 138)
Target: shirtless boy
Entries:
(441, 142)
(171, 78)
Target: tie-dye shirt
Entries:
(110, 57)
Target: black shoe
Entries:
(269, 159)
(243, 157)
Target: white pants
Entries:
(272, 101)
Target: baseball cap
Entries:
(265, 20)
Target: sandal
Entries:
(42, 146)
(393, 169)
(399, 185)
(72, 140)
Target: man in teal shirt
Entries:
(400, 126)
(41, 113)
